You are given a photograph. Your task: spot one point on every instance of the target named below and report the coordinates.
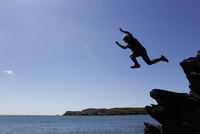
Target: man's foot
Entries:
(163, 58)
(136, 66)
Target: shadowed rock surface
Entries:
(178, 113)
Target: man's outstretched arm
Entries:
(124, 47)
(126, 32)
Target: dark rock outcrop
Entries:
(112, 111)
(178, 113)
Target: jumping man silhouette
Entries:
(138, 50)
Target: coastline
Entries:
(104, 111)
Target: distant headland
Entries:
(104, 111)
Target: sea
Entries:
(122, 124)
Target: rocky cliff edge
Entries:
(178, 113)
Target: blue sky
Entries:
(59, 55)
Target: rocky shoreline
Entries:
(178, 113)
(104, 111)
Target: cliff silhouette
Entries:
(178, 113)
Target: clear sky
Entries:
(60, 55)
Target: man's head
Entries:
(127, 38)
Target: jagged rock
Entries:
(178, 113)
(152, 129)
(191, 67)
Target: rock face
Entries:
(178, 113)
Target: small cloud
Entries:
(8, 72)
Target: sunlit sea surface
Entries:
(123, 124)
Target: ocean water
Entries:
(124, 124)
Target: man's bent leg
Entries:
(133, 58)
(150, 62)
